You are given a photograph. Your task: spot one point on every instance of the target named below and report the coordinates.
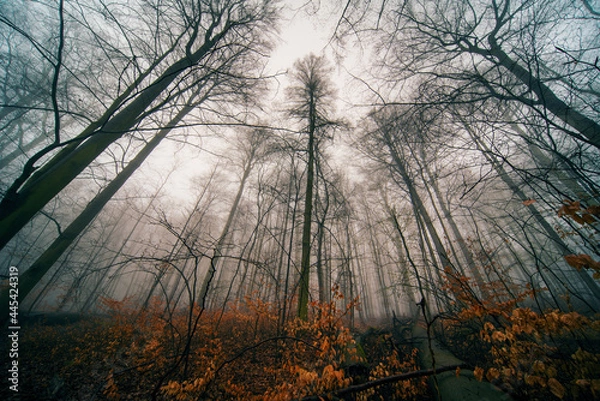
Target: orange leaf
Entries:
(569, 208)
(498, 336)
(556, 388)
(478, 373)
(530, 380)
(582, 261)
(492, 374)
(529, 202)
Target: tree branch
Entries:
(379, 382)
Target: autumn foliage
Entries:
(529, 353)
(244, 353)
(587, 217)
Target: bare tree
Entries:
(196, 44)
(508, 50)
(311, 95)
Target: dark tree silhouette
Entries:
(311, 95)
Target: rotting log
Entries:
(448, 385)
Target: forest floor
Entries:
(246, 353)
(242, 354)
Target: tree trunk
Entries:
(321, 269)
(38, 269)
(306, 227)
(218, 248)
(24, 200)
(417, 202)
(290, 211)
(547, 228)
(587, 127)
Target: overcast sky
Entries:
(304, 28)
(303, 31)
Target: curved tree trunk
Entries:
(588, 128)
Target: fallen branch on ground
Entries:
(379, 382)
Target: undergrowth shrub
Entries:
(241, 354)
(534, 355)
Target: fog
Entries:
(318, 174)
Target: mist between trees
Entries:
(465, 146)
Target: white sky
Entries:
(303, 30)
(300, 35)
(307, 27)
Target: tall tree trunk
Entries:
(31, 192)
(418, 204)
(44, 262)
(289, 247)
(321, 274)
(306, 225)
(218, 248)
(449, 219)
(543, 223)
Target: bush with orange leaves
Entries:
(244, 353)
(313, 361)
(534, 355)
(393, 364)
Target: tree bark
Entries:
(306, 227)
(22, 203)
(38, 269)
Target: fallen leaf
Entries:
(556, 388)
